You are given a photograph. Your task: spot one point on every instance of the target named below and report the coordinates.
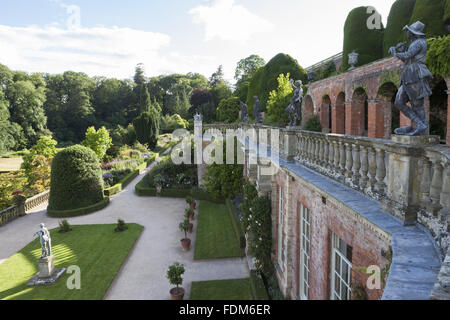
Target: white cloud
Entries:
(228, 21)
(102, 51)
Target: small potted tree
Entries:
(186, 242)
(158, 179)
(191, 202)
(174, 274)
(186, 216)
(190, 213)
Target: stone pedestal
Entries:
(48, 274)
(290, 143)
(416, 140)
(403, 192)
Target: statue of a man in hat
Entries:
(414, 83)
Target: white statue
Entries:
(44, 237)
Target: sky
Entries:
(110, 37)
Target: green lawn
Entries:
(235, 289)
(215, 235)
(96, 249)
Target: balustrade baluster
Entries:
(445, 194)
(325, 154)
(364, 167)
(343, 159)
(337, 156)
(349, 162)
(425, 184)
(381, 171)
(356, 164)
(372, 168)
(331, 155)
(436, 185)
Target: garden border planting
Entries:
(259, 291)
(118, 187)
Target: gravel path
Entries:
(143, 275)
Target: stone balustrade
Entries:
(37, 200)
(16, 211)
(409, 176)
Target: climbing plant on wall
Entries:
(257, 220)
(438, 56)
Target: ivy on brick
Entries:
(257, 221)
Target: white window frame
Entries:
(280, 227)
(339, 284)
(305, 251)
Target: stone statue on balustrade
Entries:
(244, 112)
(46, 241)
(198, 117)
(293, 110)
(414, 82)
(256, 112)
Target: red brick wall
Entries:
(367, 245)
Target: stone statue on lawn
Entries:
(256, 112)
(46, 241)
(293, 110)
(414, 82)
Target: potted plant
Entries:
(158, 179)
(191, 202)
(186, 242)
(174, 274)
(190, 213)
(187, 216)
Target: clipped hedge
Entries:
(115, 189)
(399, 16)
(237, 227)
(258, 288)
(368, 43)
(76, 180)
(78, 212)
(266, 79)
(431, 13)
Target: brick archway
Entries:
(325, 114)
(357, 114)
(308, 109)
(338, 114)
(384, 117)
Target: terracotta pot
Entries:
(191, 226)
(177, 293)
(186, 244)
(193, 205)
(192, 216)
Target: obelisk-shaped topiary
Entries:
(431, 13)
(399, 16)
(76, 179)
(357, 36)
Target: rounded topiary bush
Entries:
(399, 16)
(357, 36)
(76, 180)
(266, 79)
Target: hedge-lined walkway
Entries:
(143, 276)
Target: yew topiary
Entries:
(76, 179)
(399, 16)
(431, 13)
(357, 36)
